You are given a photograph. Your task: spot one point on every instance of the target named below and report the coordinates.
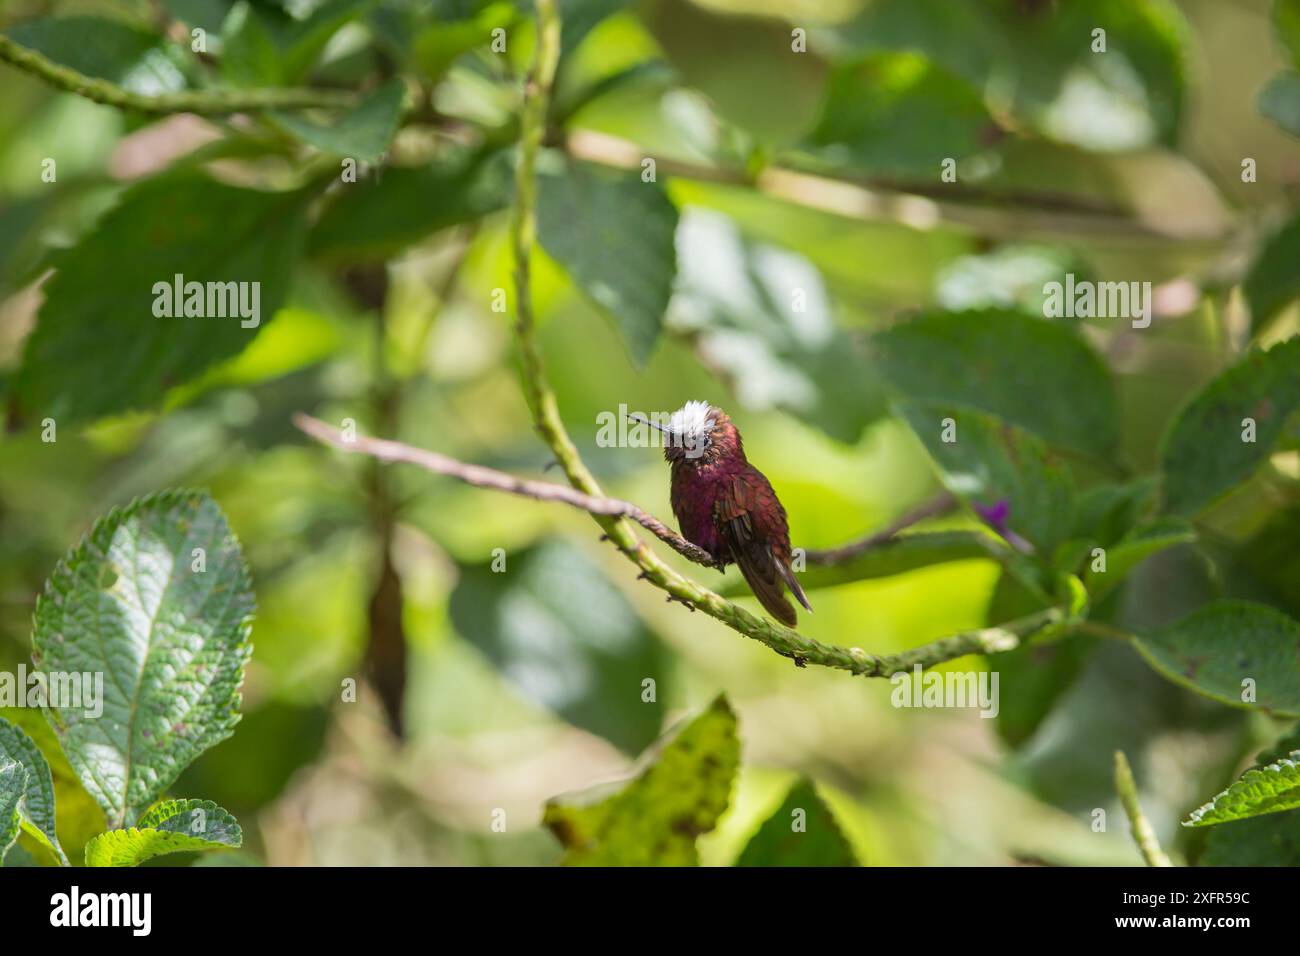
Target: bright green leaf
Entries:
(1269, 789)
(993, 360)
(99, 348)
(1217, 648)
(174, 826)
(1204, 454)
(654, 820)
(582, 217)
(37, 807)
(171, 641)
(802, 832)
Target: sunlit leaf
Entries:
(173, 826)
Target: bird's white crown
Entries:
(690, 425)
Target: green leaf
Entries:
(1286, 24)
(1279, 101)
(134, 59)
(363, 135)
(36, 809)
(990, 462)
(761, 317)
(249, 56)
(1136, 547)
(1271, 840)
(174, 826)
(1269, 789)
(582, 221)
(654, 819)
(1273, 281)
(1217, 647)
(170, 640)
(98, 347)
(802, 832)
(744, 65)
(377, 218)
(907, 552)
(899, 113)
(13, 784)
(566, 638)
(993, 360)
(1203, 454)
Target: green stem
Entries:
(218, 102)
(1143, 834)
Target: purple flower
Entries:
(996, 517)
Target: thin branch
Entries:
(609, 512)
(939, 504)
(1143, 834)
(210, 102)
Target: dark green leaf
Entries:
(173, 826)
(13, 784)
(363, 134)
(654, 819)
(379, 217)
(1215, 649)
(802, 832)
(135, 59)
(1286, 24)
(898, 113)
(1272, 840)
(993, 360)
(249, 56)
(990, 462)
(1274, 280)
(170, 640)
(99, 348)
(1136, 547)
(566, 638)
(1203, 453)
(582, 218)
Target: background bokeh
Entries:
(524, 685)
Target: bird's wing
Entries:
(752, 522)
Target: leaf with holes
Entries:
(174, 826)
(158, 600)
(654, 820)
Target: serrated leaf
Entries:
(1279, 101)
(990, 463)
(377, 218)
(37, 807)
(363, 134)
(98, 347)
(566, 638)
(761, 316)
(1273, 281)
(173, 826)
(106, 49)
(993, 360)
(899, 113)
(1138, 545)
(1260, 790)
(170, 641)
(654, 819)
(1217, 647)
(582, 218)
(1203, 453)
(13, 784)
(802, 832)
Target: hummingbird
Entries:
(726, 506)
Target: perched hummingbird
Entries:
(727, 506)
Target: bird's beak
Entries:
(645, 421)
